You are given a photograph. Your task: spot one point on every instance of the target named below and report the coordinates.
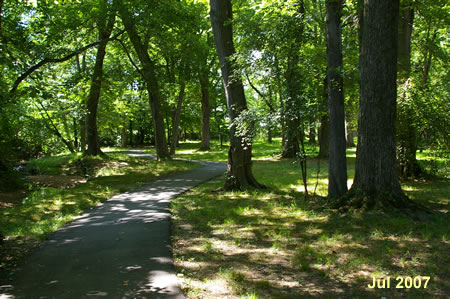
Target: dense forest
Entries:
(78, 76)
(98, 97)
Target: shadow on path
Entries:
(120, 249)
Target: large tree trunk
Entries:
(206, 113)
(176, 119)
(105, 27)
(376, 182)
(407, 133)
(149, 76)
(239, 173)
(337, 163)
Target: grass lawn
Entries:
(67, 186)
(276, 243)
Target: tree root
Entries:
(356, 200)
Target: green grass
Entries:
(261, 150)
(46, 209)
(276, 243)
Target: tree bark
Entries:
(176, 119)
(206, 113)
(150, 78)
(337, 163)
(239, 172)
(105, 27)
(376, 183)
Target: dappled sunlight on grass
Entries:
(276, 243)
(46, 209)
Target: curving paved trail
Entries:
(121, 249)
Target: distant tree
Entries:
(406, 131)
(149, 76)
(239, 174)
(105, 24)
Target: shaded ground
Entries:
(277, 244)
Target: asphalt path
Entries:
(120, 249)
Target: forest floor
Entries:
(277, 243)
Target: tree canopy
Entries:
(80, 75)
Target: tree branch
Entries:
(129, 57)
(58, 60)
(272, 110)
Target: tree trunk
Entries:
(105, 27)
(312, 133)
(269, 135)
(376, 182)
(149, 76)
(324, 137)
(292, 106)
(239, 173)
(75, 133)
(130, 132)
(324, 125)
(123, 134)
(83, 135)
(349, 134)
(337, 163)
(206, 113)
(406, 133)
(176, 119)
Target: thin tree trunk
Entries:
(75, 133)
(324, 125)
(292, 106)
(152, 85)
(105, 27)
(406, 133)
(83, 135)
(349, 134)
(123, 134)
(52, 127)
(337, 163)
(206, 113)
(376, 182)
(239, 173)
(312, 133)
(130, 132)
(176, 119)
